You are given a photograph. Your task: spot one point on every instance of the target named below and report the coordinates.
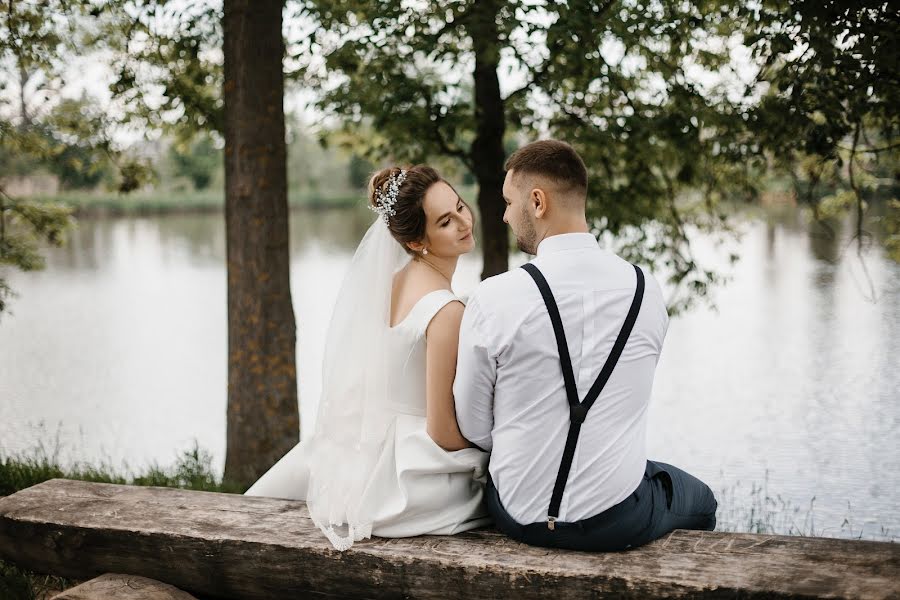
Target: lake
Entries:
(785, 397)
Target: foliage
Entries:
(359, 171)
(31, 49)
(66, 134)
(68, 137)
(20, 472)
(829, 66)
(72, 136)
(19, 584)
(618, 80)
(648, 93)
(24, 225)
(169, 76)
(167, 61)
(192, 470)
(196, 159)
(892, 227)
(830, 116)
(398, 77)
(73, 141)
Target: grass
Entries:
(192, 470)
(773, 515)
(160, 202)
(19, 584)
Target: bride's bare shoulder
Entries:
(446, 322)
(407, 289)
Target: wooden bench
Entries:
(231, 546)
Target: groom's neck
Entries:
(560, 226)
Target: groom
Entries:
(554, 374)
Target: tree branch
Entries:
(445, 146)
(857, 150)
(3, 196)
(855, 186)
(539, 74)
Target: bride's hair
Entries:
(407, 224)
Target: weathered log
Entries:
(114, 586)
(232, 546)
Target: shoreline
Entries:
(91, 204)
(100, 206)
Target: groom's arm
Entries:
(476, 373)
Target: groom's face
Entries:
(517, 215)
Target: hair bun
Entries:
(379, 182)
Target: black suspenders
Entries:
(578, 410)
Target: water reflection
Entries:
(824, 240)
(336, 230)
(119, 349)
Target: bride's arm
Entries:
(442, 339)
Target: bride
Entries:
(386, 457)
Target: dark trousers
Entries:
(666, 499)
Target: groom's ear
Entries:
(538, 200)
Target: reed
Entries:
(770, 513)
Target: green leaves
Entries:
(833, 106)
(662, 151)
(32, 42)
(388, 73)
(167, 60)
(609, 77)
(646, 91)
(24, 227)
(196, 159)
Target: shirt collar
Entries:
(567, 241)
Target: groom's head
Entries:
(545, 190)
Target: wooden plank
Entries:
(114, 586)
(232, 546)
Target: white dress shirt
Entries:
(509, 390)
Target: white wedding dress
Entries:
(371, 466)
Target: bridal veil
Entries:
(353, 412)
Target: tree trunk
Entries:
(487, 149)
(263, 416)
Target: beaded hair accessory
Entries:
(387, 198)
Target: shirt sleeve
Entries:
(476, 374)
(661, 326)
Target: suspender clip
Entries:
(551, 523)
(578, 412)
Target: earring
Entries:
(425, 251)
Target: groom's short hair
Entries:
(551, 159)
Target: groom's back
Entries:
(508, 351)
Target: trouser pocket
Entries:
(685, 494)
(657, 472)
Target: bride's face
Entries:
(448, 222)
